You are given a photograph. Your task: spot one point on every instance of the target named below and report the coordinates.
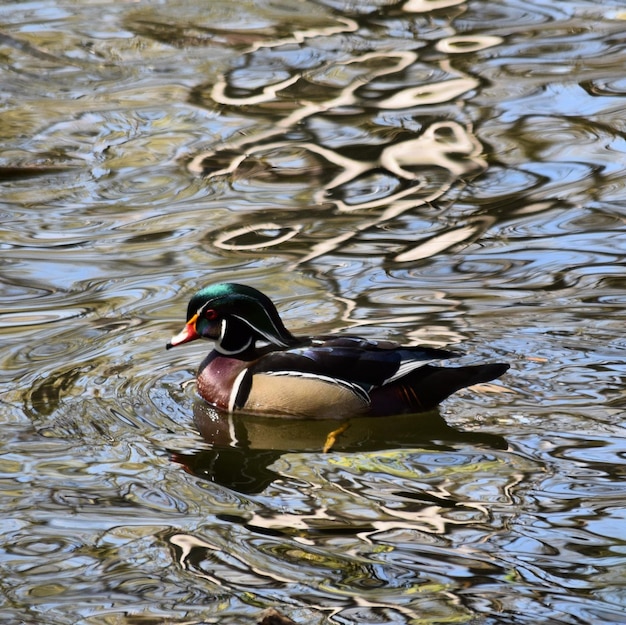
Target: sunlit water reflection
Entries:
(430, 171)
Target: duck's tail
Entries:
(426, 387)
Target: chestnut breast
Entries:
(216, 378)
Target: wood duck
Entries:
(312, 377)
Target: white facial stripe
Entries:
(202, 308)
(272, 338)
(220, 348)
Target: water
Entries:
(442, 172)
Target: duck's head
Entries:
(235, 316)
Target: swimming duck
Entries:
(311, 377)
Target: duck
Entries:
(258, 366)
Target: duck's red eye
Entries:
(210, 314)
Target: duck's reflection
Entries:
(243, 447)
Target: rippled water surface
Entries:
(430, 171)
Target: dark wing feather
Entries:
(353, 359)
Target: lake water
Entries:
(431, 171)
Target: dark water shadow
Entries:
(243, 447)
